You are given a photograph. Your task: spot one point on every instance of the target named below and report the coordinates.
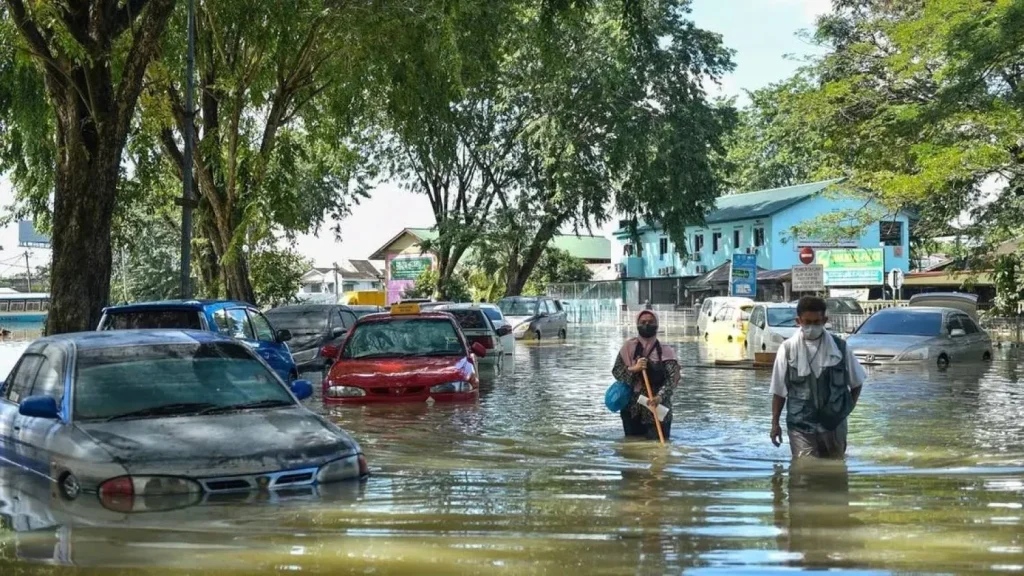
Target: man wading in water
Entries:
(637, 355)
(819, 383)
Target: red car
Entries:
(404, 356)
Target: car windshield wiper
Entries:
(176, 409)
(255, 404)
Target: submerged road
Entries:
(535, 478)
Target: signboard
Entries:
(836, 243)
(409, 267)
(853, 267)
(895, 280)
(743, 275)
(809, 278)
(29, 238)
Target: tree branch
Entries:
(35, 40)
(144, 48)
(123, 16)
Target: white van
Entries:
(711, 306)
(770, 325)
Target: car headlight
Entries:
(345, 392)
(521, 329)
(914, 355)
(342, 469)
(451, 388)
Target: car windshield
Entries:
(300, 320)
(518, 307)
(843, 306)
(148, 319)
(782, 317)
(902, 322)
(406, 337)
(493, 313)
(171, 379)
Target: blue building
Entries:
(761, 223)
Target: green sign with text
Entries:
(409, 268)
(853, 266)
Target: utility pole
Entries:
(28, 271)
(187, 200)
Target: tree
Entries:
(428, 285)
(88, 61)
(276, 274)
(556, 266)
(281, 93)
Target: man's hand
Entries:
(640, 366)
(776, 434)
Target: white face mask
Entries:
(812, 332)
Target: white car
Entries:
(479, 329)
(712, 305)
(508, 341)
(770, 325)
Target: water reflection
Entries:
(535, 477)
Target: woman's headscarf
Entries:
(646, 344)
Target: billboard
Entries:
(853, 267)
(743, 275)
(29, 238)
(402, 271)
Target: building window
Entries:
(890, 233)
(758, 237)
(716, 242)
(737, 237)
(698, 243)
(627, 250)
(662, 247)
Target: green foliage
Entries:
(425, 286)
(1008, 275)
(429, 285)
(556, 267)
(276, 274)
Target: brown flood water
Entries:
(536, 479)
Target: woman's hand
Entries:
(653, 403)
(640, 366)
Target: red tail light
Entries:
(118, 494)
(485, 341)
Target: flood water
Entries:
(535, 478)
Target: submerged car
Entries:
(920, 334)
(770, 325)
(536, 318)
(235, 319)
(508, 341)
(139, 413)
(729, 324)
(477, 327)
(710, 307)
(406, 356)
(361, 310)
(312, 327)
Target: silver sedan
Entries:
(144, 412)
(918, 335)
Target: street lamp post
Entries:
(187, 200)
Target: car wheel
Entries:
(536, 334)
(730, 340)
(987, 356)
(943, 361)
(562, 334)
(69, 486)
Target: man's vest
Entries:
(817, 402)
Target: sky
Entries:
(763, 34)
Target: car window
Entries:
(706, 307)
(782, 317)
(493, 313)
(300, 321)
(407, 337)
(149, 319)
(518, 307)
(969, 326)
(470, 319)
(19, 385)
(724, 313)
(264, 331)
(554, 305)
(116, 382)
(757, 318)
(348, 319)
(902, 322)
(49, 379)
(953, 323)
(234, 323)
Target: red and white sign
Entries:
(807, 255)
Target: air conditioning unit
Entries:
(670, 271)
(752, 250)
(700, 269)
(695, 257)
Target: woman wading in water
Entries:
(645, 352)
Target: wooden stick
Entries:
(650, 395)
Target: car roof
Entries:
(777, 304)
(423, 315)
(117, 338)
(922, 309)
(307, 308)
(178, 305)
(527, 298)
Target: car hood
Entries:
(517, 320)
(784, 331)
(425, 371)
(246, 442)
(885, 344)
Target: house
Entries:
(760, 223)
(405, 259)
(320, 284)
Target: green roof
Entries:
(423, 233)
(757, 204)
(583, 247)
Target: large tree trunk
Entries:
(534, 252)
(86, 191)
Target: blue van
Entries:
(239, 320)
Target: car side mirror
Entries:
(504, 330)
(284, 335)
(957, 333)
(478, 349)
(337, 331)
(39, 407)
(329, 351)
(302, 389)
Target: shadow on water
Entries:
(534, 477)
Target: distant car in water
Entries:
(478, 329)
(770, 325)
(709, 309)
(534, 317)
(730, 323)
(236, 319)
(508, 341)
(312, 326)
(407, 355)
(136, 413)
(918, 335)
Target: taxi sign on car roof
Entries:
(405, 309)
